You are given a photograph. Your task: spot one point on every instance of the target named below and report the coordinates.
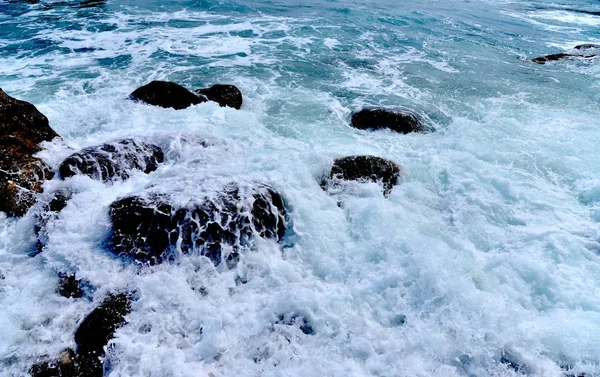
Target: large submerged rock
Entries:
(375, 119)
(114, 160)
(364, 168)
(153, 228)
(22, 129)
(171, 95)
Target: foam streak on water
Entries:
(488, 249)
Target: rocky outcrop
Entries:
(171, 95)
(166, 94)
(111, 161)
(364, 168)
(375, 119)
(93, 334)
(585, 51)
(22, 129)
(152, 229)
(224, 95)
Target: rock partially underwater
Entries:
(171, 95)
(375, 119)
(584, 51)
(92, 335)
(114, 160)
(364, 168)
(153, 228)
(22, 129)
(224, 95)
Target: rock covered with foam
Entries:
(114, 160)
(154, 227)
(364, 168)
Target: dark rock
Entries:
(64, 366)
(374, 119)
(364, 168)
(224, 95)
(22, 125)
(587, 46)
(69, 286)
(22, 129)
(100, 325)
(115, 160)
(149, 229)
(292, 319)
(553, 57)
(166, 94)
(69, 364)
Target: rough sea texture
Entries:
(484, 260)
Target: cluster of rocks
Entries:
(151, 227)
(584, 51)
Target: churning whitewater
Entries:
(483, 259)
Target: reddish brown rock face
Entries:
(22, 129)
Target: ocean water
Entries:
(484, 261)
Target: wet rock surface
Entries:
(364, 168)
(166, 94)
(152, 229)
(375, 119)
(114, 160)
(583, 51)
(93, 334)
(224, 95)
(22, 129)
(100, 325)
(69, 286)
(56, 202)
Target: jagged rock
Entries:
(100, 325)
(166, 94)
(552, 57)
(374, 119)
(114, 160)
(224, 95)
(364, 168)
(152, 229)
(22, 129)
(69, 286)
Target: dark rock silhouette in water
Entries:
(171, 95)
(93, 334)
(69, 286)
(114, 160)
(22, 129)
(374, 119)
(364, 168)
(585, 51)
(224, 95)
(166, 94)
(149, 228)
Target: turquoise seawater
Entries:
(483, 261)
